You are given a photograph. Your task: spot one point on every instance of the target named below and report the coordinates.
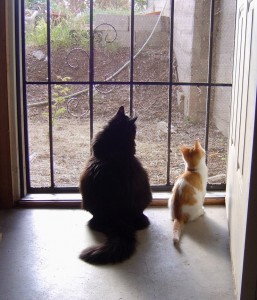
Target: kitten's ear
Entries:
(183, 149)
(121, 112)
(197, 145)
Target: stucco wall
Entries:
(183, 43)
(223, 62)
(191, 38)
(144, 25)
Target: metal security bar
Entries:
(92, 85)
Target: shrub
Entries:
(62, 34)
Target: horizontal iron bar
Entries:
(154, 188)
(163, 83)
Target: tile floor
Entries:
(39, 259)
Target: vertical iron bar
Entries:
(91, 68)
(208, 100)
(24, 92)
(170, 88)
(49, 80)
(131, 75)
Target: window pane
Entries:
(111, 41)
(38, 135)
(191, 39)
(223, 42)
(71, 132)
(107, 100)
(152, 35)
(187, 123)
(36, 40)
(151, 107)
(218, 134)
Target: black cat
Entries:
(115, 190)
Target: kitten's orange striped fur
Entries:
(186, 200)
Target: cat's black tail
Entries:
(118, 247)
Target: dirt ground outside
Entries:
(71, 123)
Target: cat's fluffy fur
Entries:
(187, 198)
(115, 190)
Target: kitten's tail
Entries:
(118, 247)
(177, 229)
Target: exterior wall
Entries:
(222, 63)
(199, 65)
(191, 38)
(144, 25)
(183, 43)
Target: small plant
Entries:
(62, 34)
(59, 94)
(38, 36)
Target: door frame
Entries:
(9, 154)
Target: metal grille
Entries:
(94, 85)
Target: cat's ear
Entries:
(133, 120)
(121, 112)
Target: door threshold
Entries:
(73, 200)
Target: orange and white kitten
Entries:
(186, 200)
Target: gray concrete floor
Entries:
(39, 259)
